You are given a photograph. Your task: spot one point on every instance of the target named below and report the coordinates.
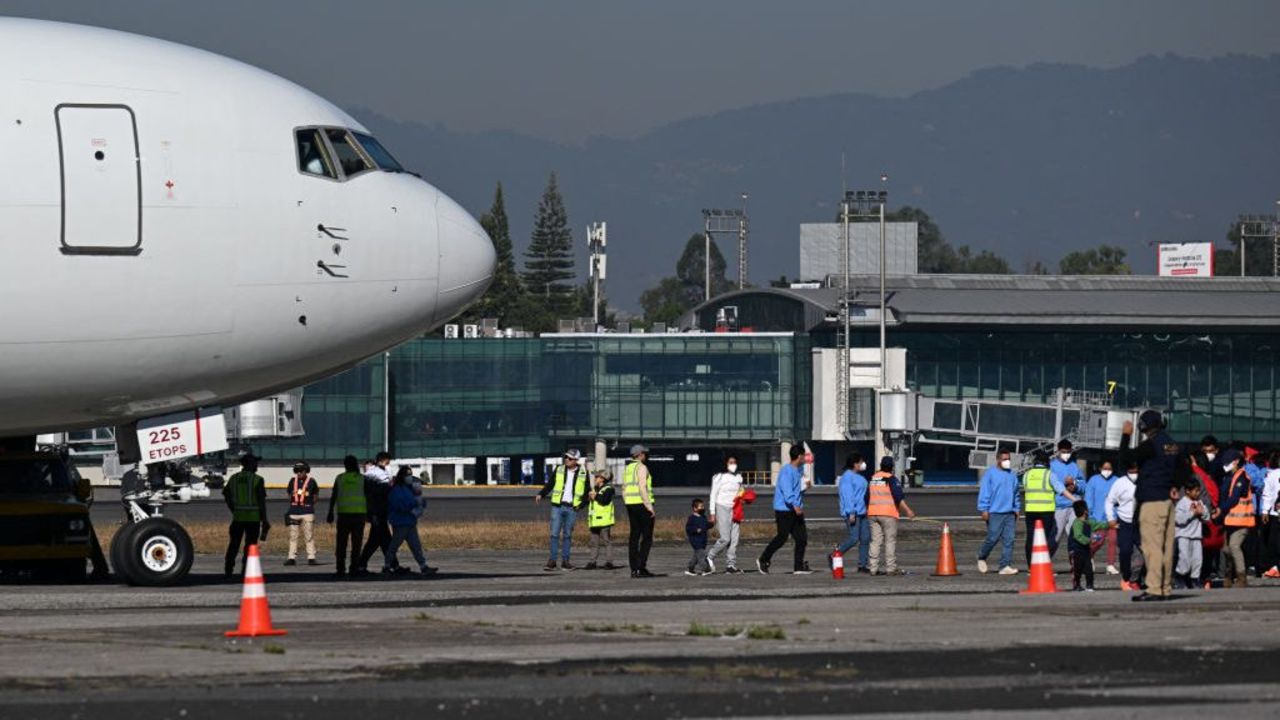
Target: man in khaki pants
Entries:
(1162, 469)
(885, 504)
(301, 516)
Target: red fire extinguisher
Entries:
(837, 565)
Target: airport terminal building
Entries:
(1202, 350)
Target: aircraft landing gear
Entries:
(154, 552)
(151, 550)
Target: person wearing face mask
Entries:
(1209, 460)
(726, 487)
(852, 487)
(1064, 467)
(1039, 488)
(998, 503)
(1236, 513)
(1162, 469)
(1270, 517)
(1119, 509)
(1095, 496)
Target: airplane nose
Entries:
(467, 258)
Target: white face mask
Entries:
(732, 468)
(1133, 477)
(862, 467)
(1106, 474)
(1064, 457)
(1210, 456)
(1006, 464)
(1230, 468)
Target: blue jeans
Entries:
(563, 518)
(856, 530)
(1000, 529)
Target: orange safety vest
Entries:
(1242, 514)
(880, 498)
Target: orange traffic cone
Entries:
(837, 565)
(255, 615)
(946, 566)
(1040, 578)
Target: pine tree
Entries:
(549, 260)
(504, 293)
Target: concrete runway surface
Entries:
(494, 636)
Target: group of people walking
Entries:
(1195, 517)
(389, 505)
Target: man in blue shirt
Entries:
(788, 513)
(852, 487)
(1063, 467)
(1095, 496)
(998, 503)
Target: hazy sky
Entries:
(567, 70)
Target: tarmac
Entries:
(495, 636)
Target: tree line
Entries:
(545, 289)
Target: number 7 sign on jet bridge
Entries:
(180, 435)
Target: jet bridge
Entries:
(1086, 418)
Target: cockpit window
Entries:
(313, 156)
(380, 156)
(353, 162)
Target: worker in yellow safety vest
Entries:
(600, 519)
(637, 495)
(348, 498)
(246, 497)
(1040, 489)
(567, 491)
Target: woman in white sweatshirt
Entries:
(1120, 507)
(725, 488)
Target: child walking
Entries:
(696, 527)
(1189, 516)
(600, 520)
(1080, 545)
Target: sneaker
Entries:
(312, 562)
(611, 566)
(428, 570)
(762, 565)
(895, 571)
(1113, 570)
(704, 573)
(400, 570)
(802, 571)
(982, 566)
(1088, 589)
(1007, 570)
(731, 570)
(551, 565)
(290, 562)
(644, 573)
(1076, 588)
(566, 565)
(1146, 597)
(1274, 572)
(590, 566)
(864, 570)
(711, 566)
(690, 573)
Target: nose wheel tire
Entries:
(154, 552)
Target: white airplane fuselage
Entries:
(162, 247)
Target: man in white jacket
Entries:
(1120, 508)
(725, 488)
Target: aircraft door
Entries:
(101, 180)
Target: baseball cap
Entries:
(638, 449)
(573, 454)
